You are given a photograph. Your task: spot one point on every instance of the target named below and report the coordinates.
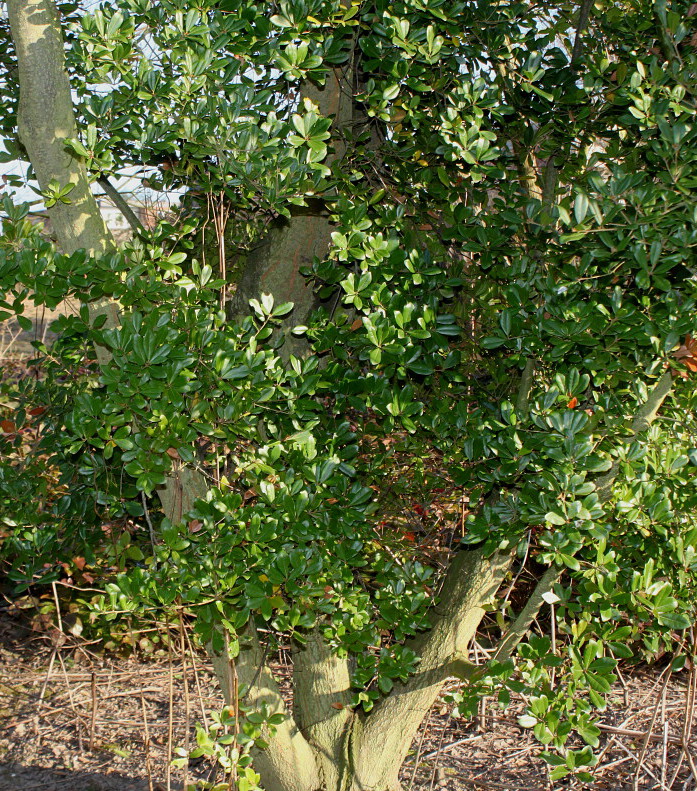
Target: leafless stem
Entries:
(93, 718)
(120, 203)
(583, 15)
(522, 400)
(148, 765)
(151, 529)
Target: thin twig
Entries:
(151, 529)
(78, 720)
(93, 720)
(170, 716)
(148, 766)
(649, 734)
(439, 749)
(645, 768)
(453, 745)
(204, 718)
(187, 709)
(417, 757)
(616, 762)
(690, 693)
(637, 734)
(664, 751)
(43, 690)
(58, 607)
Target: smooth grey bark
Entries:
(46, 120)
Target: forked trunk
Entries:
(324, 744)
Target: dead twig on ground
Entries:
(146, 742)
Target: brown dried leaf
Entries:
(688, 353)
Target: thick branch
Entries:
(470, 585)
(322, 705)
(549, 184)
(642, 420)
(524, 387)
(288, 764)
(46, 120)
(583, 15)
(292, 244)
(527, 615)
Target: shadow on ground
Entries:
(14, 777)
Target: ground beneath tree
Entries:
(73, 720)
(16, 343)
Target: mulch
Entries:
(73, 719)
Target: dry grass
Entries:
(73, 720)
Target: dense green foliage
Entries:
(510, 272)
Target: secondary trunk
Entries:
(291, 244)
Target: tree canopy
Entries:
(457, 236)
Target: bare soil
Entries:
(16, 343)
(75, 720)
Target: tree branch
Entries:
(45, 122)
(526, 616)
(322, 705)
(583, 15)
(291, 244)
(524, 387)
(549, 184)
(120, 203)
(470, 585)
(288, 764)
(642, 420)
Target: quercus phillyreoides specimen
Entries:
(465, 228)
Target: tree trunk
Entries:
(325, 745)
(45, 121)
(273, 267)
